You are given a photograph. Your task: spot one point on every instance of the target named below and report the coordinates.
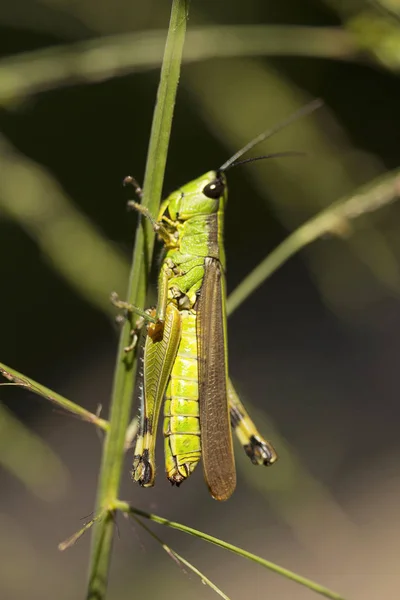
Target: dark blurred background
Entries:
(314, 352)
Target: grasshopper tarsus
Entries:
(143, 210)
(133, 205)
(115, 300)
(120, 320)
(133, 343)
(260, 452)
(143, 471)
(129, 180)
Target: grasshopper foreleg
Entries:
(144, 315)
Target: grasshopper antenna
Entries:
(305, 110)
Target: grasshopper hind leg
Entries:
(143, 470)
(143, 467)
(259, 450)
(160, 348)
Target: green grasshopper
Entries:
(185, 352)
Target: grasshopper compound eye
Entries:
(215, 189)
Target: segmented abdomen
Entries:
(181, 408)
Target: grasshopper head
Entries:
(201, 196)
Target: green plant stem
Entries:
(112, 460)
(179, 559)
(37, 388)
(126, 508)
(334, 220)
(42, 70)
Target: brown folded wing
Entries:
(216, 439)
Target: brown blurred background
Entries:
(315, 350)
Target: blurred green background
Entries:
(315, 350)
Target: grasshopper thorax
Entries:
(202, 196)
